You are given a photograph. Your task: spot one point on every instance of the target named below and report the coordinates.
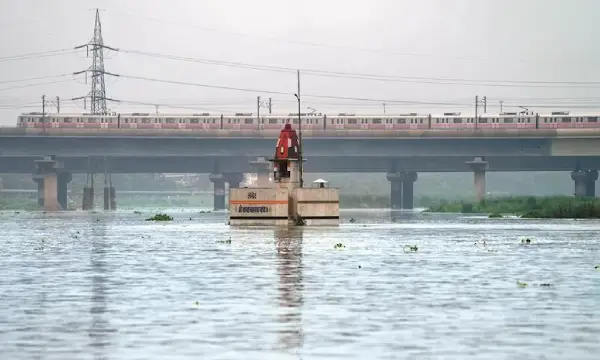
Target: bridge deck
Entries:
(323, 134)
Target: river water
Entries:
(78, 285)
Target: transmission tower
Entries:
(98, 93)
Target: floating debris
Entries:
(137, 212)
(339, 246)
(411, 248)
(495, 216)
(160, 217)
(522, 284)
(597, 267)
(352, 220)
(526, 241)
(224, 241)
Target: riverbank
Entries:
(551, 207)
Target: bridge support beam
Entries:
(233, 179)
(402, 189)
(63, 180)
(408, 183)
(262, 168)
(39, 180)
(47, 171)
(590, 184)
(110, 196)
(219, 191)
(88, 193)
(479, 165)
(585, 182)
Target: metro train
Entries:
(310, 121)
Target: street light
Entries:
(297, 95)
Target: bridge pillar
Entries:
(48, 170)
(39, 180)
(590, 183)
(219, 191)
(262, 168)
(395, 180)
(110, 196)
(63, 179)
(234, 180)
(580, 178)
(408, 182)
(479, 165)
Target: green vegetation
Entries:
(554, 207)
(21, 203)
(160, 217)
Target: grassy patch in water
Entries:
(160, 217)
(551, 207)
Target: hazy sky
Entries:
(503, 47)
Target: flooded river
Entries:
(80, 285)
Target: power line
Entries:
(38, 84)
(332, 46)
(36, 55)
(376, 77)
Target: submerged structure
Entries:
(285, 201)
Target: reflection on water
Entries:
(289, 269)
(99, 332)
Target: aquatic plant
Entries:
(160, 217)
(410, 248)
(339, 246)
(495, 215)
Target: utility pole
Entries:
(269, 106)
(98, 91)
(476, 106)
(485, 104)
(156, 106)
(258, 110)
(384, 104)
(43, 110)
(58, 104)
(501, 102)
(300, 134)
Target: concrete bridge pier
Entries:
(395, 180)
(63, 180)
(590, 184)
(47, 170)
(219, 191)
(408, 183)
(88, 193)
(402, 189)
(110, 196)
(585, 182)
(39, 180)
(479, 165)
(234, 180)
(262, 168)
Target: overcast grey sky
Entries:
(472, 40)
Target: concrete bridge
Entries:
(226, 154)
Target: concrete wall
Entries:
(317, 206)
(254, 206)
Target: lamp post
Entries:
(300, 134)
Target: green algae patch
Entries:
(160, 217)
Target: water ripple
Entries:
(113, 286)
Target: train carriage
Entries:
(507, 120)
(565, 120)
(409, 121)
(452, 120)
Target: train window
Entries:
(592, 119)
(248, 121)
(352, 121)
(458, 121)
(317, 121)
(483, 121)
(509, 120)
(401, 121)
(91, 121)
(566, 120)
(272, 121)
(194, 121)
(376, 121)
(332, 122)
(170, 121)
(67, 120)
